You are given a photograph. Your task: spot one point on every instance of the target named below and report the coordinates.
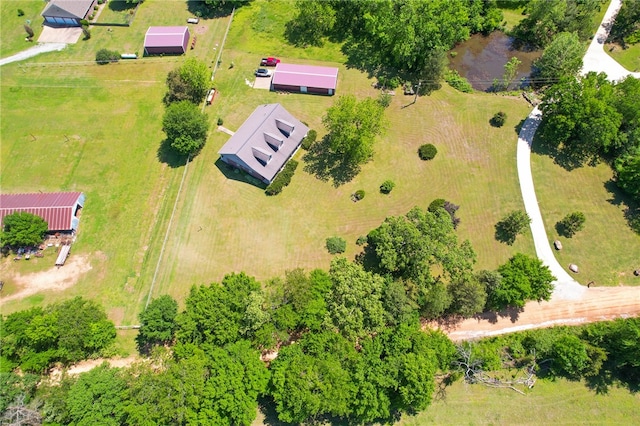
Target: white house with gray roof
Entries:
(265, 142)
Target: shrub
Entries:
(84, 22)
(362, 240)
(95, 7)
(220, 121)
(91, 16)
(336, 245)
(458, 82)
(436, 204)
(283, 179)
(87, 36)
(387, 186)
(20, 12)
(499, 119)
(359, 194)
(309, 140)
(104, 56)
(427, 151)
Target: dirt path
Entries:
(595, 304)
(54, 279)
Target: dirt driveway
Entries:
(67, 35)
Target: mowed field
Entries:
(558, 402)
(224, 224)
(71, 125)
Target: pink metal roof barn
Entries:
(166, 40)
(305, 76)
(58, 209)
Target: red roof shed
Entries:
(305, 79)
(58, 209)
(170, 40)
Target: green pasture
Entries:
(12, 25)
(559, 402)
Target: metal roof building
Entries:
(171, 40)
(58, 209)
(67, 12)
(265, 142)
(305, 79)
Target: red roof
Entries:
(305, 75)
(56, 208)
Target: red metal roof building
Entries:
(58, 209)
(166, 40)
(305, 79)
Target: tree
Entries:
(314, 21)
(511, 226)
(628, 175)
(353, 126)
(523, 278)
(23, 229)
(98, 397)
(498, 119)
(336, 245)
(570, 358)
(409, 246)
(510, 71)
(157, 322)
(468, 295)
(580, 119)
(546, 18)
(571, 223)
(626, 28)
(188, 82)
(186, 127)
(427, 151)
(387, 186)
(354, 304)
(560, 59)
(106, 56)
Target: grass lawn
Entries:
(628, 58)
(606, 250)
(559, 402)
(224, 224)
(12, 25)
(74, 125)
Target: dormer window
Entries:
(261, 155)
(284, 126)
(274, 141)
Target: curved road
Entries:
(571, 303)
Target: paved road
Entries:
(565, 286)
(33, 51)
(596, 59)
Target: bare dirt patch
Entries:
(595, 304)
(54, 279)
(82, 367)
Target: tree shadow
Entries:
(449, 322)
(620, 198)
(518, 127)
(200, 9)
(512, 312)
(267, 407)
(326, 165)
(562, 156)
(121, 5)
(238, 175)
(166, 154)
(562, 230)
(503, 234)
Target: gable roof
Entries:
(266, 140)
(68, 8)
(165, 36)
(305, 75)
(56, 208)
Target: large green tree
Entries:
(626, 27)
(628, 175)
(353, 126)
(512, 225)
(186, 127)
(354, 304)
(157, 322)
(524, 278)
(188, 82)
(561, 58)
(546, 18)
(23, 229)
(314, 21)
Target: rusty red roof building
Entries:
(58, 209)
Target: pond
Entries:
(481, 59)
